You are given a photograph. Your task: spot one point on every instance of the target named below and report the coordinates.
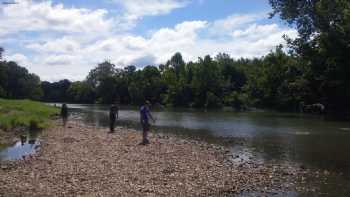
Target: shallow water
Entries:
(21, 148)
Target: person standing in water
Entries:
(64, 114)
(113, 116)
(145, 115)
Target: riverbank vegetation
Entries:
(311, 69)
(25, 113)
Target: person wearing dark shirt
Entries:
(64, 114)
(145, 115)
(113, 116)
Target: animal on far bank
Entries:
(316, 108)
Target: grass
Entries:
(26, 113)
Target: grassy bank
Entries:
(26, 113)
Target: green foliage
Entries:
(275, 81)
(56, 91)
(239, 101)
(323, 47)
(31, 114)
(81, 92)
(16, 82)
(212, 101)
(102, 71)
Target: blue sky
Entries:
(65, 39)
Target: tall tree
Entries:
(177, 63)
(103, 70)
(323, 45)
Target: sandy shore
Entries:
(87, 161)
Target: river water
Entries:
(306, 139)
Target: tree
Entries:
(56, 91)
(103, 70)
(81, 92)
(32, 87)
(177, 63)
(130, 69)
(1, 51)
(16, 81)
(106, 90)
(323, 45)
(206, 78)
(3, 78)
(232, 74)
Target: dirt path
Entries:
(86, 161)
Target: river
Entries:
(306, 140)
(309, 141)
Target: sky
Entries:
(65, 39)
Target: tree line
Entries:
(17, 83)
(274, 81)
(313, 68)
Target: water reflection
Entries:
(26, 145)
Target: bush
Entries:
(238, 101)
(213, 101)
(34, 115)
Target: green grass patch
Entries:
(27, 113)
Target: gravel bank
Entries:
(86, 161)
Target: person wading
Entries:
(64, 114)
(145, 115)
(113, 116)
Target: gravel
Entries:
(87, 161)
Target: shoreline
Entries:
(85, 160)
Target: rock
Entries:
(4, 167)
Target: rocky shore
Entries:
(82, 160)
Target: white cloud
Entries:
(139, 8)
(59, 60)
(44, 16)
(19, 58)
(232, 22)
(71, 41)
(61, 45)
(184, 38)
